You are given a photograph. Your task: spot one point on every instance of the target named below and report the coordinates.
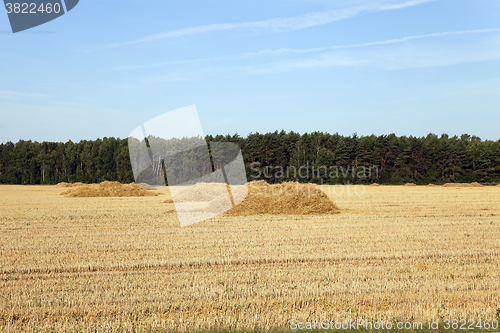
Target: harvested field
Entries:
(432, 185)
(393, 252)
(108, 189)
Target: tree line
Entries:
(280, 156)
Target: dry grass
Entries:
(393, 252)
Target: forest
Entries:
(280, 156)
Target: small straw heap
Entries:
(474, 184)
(109, 189)
(64, 184)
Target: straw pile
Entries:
(64, 184)
(474, 184)
(498, 185)
(374, 184)
(146, 186)
(108, 189)
(201, 192)
(410, 184)
(290, 198)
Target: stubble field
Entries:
(124, 264)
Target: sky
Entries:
(409, 67)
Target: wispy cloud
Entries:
(280, 24)
(288, 51)
(388, 41)
(396, 57)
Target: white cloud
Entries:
(278, 24)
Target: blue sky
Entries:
(409, 67)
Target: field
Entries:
(123, 264)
